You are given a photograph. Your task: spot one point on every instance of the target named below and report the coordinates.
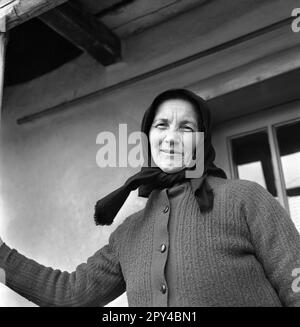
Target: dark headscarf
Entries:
(150, 178)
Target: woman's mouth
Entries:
(170, 152)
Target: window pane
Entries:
(288, 137)
(252, 171)
(252, 158)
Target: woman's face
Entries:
(171, 136)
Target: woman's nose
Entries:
(171, 137)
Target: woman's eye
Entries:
(161, 125)
(184, 128)
(187, 128)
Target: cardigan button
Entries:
(163, 288)
(166, 209)
(163, 248)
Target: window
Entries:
(271, 157)
(252, 158)
(288, 138)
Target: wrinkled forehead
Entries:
(176, 110)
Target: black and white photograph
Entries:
(150, 155)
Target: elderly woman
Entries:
(201, 241)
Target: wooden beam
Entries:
(172, 66)
(85, 31)
(95, 6)
(27, 9)
(249, 74)
(6, 8)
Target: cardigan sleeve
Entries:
(94, 283)
(276, 242)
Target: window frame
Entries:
(270, 129)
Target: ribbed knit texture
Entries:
(242, 253)
(176, 196)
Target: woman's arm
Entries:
(276, 241)
(94, 283)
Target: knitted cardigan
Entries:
(242, 253)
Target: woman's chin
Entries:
(171, 169)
